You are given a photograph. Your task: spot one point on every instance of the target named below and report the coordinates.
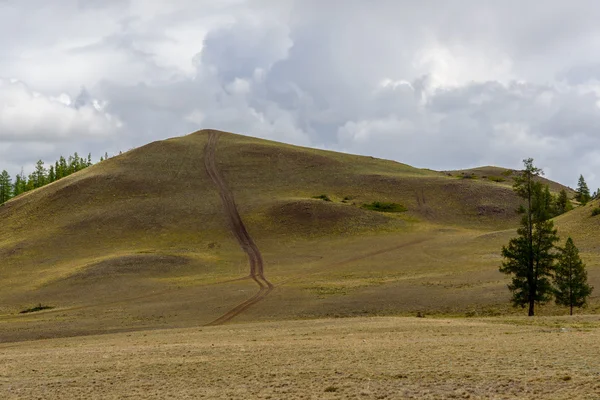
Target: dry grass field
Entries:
(351, 358)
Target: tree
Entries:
(20, 184)
(530, 256)
(583, 192)
(39, 175)
(563, 204)
(5, 187)
(51, 174)
(570, 278)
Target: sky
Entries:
(434, 84)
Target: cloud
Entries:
(27, 116)
(433, 84)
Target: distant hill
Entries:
(143, 240)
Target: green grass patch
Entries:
(596, 211)
(39, 307)
(385, 207)
(323, 197)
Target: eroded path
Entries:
(239, 230)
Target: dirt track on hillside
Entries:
(240, 232)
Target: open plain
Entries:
(350, 358)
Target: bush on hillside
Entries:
(496, 179)
(596, 211)
(323, 197)
(468, 176)
(385, 207)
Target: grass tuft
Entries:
(323, 197)
(385, 207)
(331, 389)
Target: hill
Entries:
(163, 235)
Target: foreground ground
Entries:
(366, 358)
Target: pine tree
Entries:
(563, 204)
(51, 174)
(5, 187)
(529, 257)
(583, 192)
(39, 176)
(20, 184)
(570, 278)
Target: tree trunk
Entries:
(531, 307)
(571, 309)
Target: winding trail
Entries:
(239, 230)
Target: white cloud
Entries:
(447, 86)
(26, 115)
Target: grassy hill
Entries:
(142, 240)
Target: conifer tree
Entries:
(583, 192)
(20, 183)
(529, 257)
(6, 189)
(39, 176)
(570, 279)
(51, 174)
(563, 204)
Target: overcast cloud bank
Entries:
(429, 84)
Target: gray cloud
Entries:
(431, 84)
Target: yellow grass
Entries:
(358, 358)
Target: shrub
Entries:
(331, 389)
(384, 207)
(496, 179)
(468, 176)
(508, 172)
(323, 197)
(39, 307)
(596, 211)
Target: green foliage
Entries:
(6, 190)
(570, 278)
(42, 176)
(496, 179)
(323, 197)
(583, 192)
(529, 257)
(468, 176)
(508, 172)
(596, 211)
(562, 203)
(39, 307)
(385, 207)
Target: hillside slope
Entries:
(143, 240)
